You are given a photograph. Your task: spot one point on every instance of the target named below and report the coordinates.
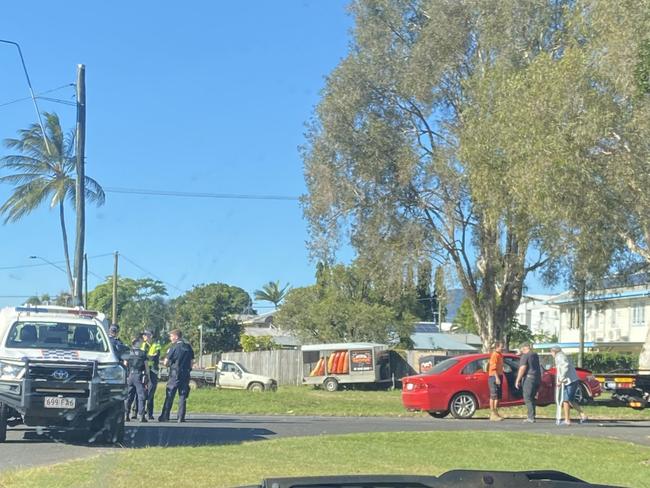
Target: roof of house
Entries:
(251, 319)
(570, 297)
(436, 340)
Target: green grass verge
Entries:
(348, 403)
(431, 453)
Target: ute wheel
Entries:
(114, 426)
(3, 422)
(193, 385)
(331, 384)
(439, 415)
(255, 386)
(463, 405)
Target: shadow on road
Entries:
(150, 435)
(161, 435)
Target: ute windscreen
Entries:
(57, 335)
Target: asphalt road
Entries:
(28, 447)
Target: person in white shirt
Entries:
(568, 379)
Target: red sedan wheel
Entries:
(463, 405)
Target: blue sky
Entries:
(186, 96)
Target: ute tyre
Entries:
(256, 387)
(4, 411)
(330, 384)
(463, 405)
(440, 414)
(193, 385)
(114, 433)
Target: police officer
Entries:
(138, 371)
(152, 350)
(179, 360)
(118, 346)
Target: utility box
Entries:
(331, 365)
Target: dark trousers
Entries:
(153, 383)
(135, 389)
(180, 384)
(530, 387)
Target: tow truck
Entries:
(58, 370)
(631, 388)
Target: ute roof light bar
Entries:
(68, 311)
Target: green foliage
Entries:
(642, 71)
(425, 301)
(606, 362)
(257, 343)
(344, 306)
(440, 294)
(272, 292)
(517, 334)
(212, 306)
(140, 305)
(464, 321)
(40, 173)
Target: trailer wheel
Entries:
(331, 384)
(193, 384)
(3, 422)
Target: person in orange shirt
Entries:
(495, 378)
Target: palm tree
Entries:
(39, 174)
(271, 292)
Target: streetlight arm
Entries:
(50, 263)
(31, 91)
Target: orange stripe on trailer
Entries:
(314, 372)
(330, 363)
(346, 362)
(321, 370)
(339, 361)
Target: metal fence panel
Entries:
(284, 365)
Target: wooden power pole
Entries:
(114, 314)
(80, 189)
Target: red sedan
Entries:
(459, 386)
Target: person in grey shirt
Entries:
(530, 376)
(567, 378)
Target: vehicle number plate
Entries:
(409, 386)
(59, 402)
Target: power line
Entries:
(2, 268)
(188, 194)
(149, 272)
(40, 96)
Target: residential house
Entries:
(262, 325)
(616, 317)
(540, 314)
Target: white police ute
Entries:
(58, 370)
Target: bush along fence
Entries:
(608, 362)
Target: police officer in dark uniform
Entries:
(138, 375)
(118, 346)
(179, 360)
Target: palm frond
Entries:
(24, 200)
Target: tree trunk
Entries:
(65, 247)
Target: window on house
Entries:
(638, 314)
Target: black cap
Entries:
(147, 332)
(114, 328)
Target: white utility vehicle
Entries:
(59, 370)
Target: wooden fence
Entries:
(284, 365)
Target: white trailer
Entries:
(331, 365)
